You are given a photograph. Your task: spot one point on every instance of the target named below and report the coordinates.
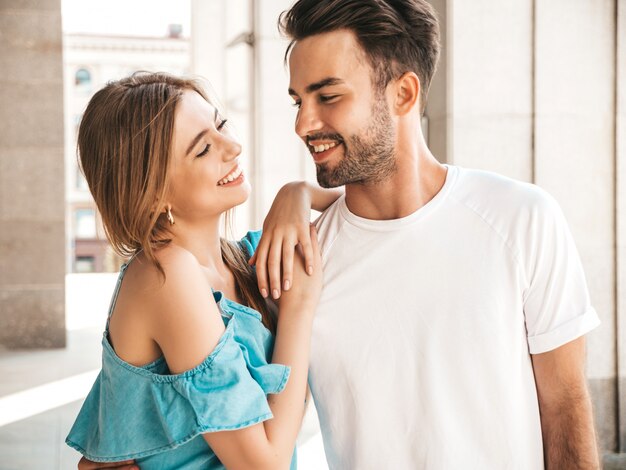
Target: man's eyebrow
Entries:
(197, 138)
(317, 85)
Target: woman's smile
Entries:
(234, 176)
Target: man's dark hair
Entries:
(397, 36)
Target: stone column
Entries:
(32, 207)
(489, 63)
(280, 155)
(620, 179)
(439, 132)
(574, 160)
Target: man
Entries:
(450, 330)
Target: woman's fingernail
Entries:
(275, 293)
(286, 284)
(264, 293)
(309, 270)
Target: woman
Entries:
(186, 380)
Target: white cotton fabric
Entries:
(421, 344)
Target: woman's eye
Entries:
(222, 124)
(205, 151)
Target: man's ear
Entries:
(406, 93)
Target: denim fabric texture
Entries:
(147, 414)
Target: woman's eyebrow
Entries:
(197, 138)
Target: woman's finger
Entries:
(288, 248)
(307, 250)
(273, 267)
(260, 257)
(315, 247)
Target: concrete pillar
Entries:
(280, 154)
(620, 179)
(489, 53)
(32, 208)
(222, 54)
(439, 132)
(574, 161)
(208, 38)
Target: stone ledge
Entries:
(614, 461)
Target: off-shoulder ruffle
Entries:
(133, 412)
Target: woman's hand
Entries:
(285, 227)
(306, 289)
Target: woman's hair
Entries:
(124, 145)
(397, 36)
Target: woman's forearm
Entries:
(292, 347)
(322, 198)
(319, 198)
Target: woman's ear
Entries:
(406, 93)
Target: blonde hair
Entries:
(124, 146)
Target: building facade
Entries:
(89, 62)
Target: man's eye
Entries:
(205, 151)
(327, 98)
(296, 104)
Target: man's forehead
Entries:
(334, 54)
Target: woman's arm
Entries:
(321, 198)
(287, 225)
(270, 445)
(187, 325)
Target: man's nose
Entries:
(308, 121)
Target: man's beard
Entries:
(368, 157)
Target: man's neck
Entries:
(413, 185)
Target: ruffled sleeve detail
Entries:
(132, 412)
(250, 242)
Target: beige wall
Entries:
(32, 229)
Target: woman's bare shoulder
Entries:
(154, 308)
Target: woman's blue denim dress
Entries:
(147, 414)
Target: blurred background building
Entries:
(89, 62)
(533, 89)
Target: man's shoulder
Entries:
(332, 213)
(487, 191)
(329, 223)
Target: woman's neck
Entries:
(203, 241)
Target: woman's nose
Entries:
(231, 148)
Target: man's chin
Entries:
(327, 179)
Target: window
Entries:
(84, 264)
(82, 77)
(85, 223)
(81, 182)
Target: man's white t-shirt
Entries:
(421, 344)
